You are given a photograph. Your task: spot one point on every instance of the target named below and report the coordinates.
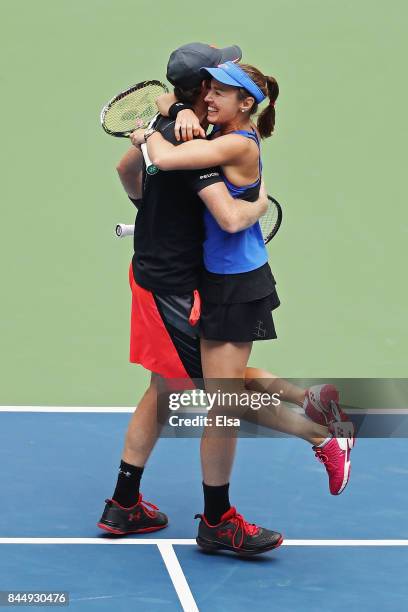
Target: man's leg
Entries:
(140, 439)
(126, 512)
(143, 429)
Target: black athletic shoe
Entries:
(234, 533)
(140, 518)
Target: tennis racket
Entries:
(270, 222)
(131, 109)
(122, 230)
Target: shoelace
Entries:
(320, 455)
(244, 526)
(144, 505)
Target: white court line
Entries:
(171, 562)
(79, 409)
(187, 542)
(100, 540)
(177, 577)
(129, 409)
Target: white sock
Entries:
(324, 442)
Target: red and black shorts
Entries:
(164, 332)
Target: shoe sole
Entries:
(110, 529)
(211, 547)
(335, 410)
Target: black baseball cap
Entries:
(183, 68)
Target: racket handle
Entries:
(122, 230)
(150, 168)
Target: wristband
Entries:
(177, 107)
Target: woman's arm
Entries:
(233, 215)
(195, 154)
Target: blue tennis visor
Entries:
(231, 74)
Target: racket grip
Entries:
(150, 168)
(123, 230)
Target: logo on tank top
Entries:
(209, 175)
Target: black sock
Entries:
(127, 487)
(216, 502)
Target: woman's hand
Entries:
(187, 126)
(137, 137)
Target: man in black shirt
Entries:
(164, 277)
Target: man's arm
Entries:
(164, 102)
(187, 124)
(130, 172)
(233, 215)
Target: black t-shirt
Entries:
(169, 226)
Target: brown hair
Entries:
(268, 86)
(189, 96)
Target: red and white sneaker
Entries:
(335, 455)
(321, 405)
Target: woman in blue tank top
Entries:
(238, 288)
(232, 253)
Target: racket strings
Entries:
(269, 220)
(132, 110)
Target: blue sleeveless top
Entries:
(226, 253)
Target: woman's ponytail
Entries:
(266, 120)
(269, 86)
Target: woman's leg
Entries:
(334, 452)
(221, 360)
(263, 381)
(280, 417)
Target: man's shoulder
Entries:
(197, 179)
(165, 126)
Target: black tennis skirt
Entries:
(240, 322)
(238, 307)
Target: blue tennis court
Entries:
(348, 551)
(335, 163)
